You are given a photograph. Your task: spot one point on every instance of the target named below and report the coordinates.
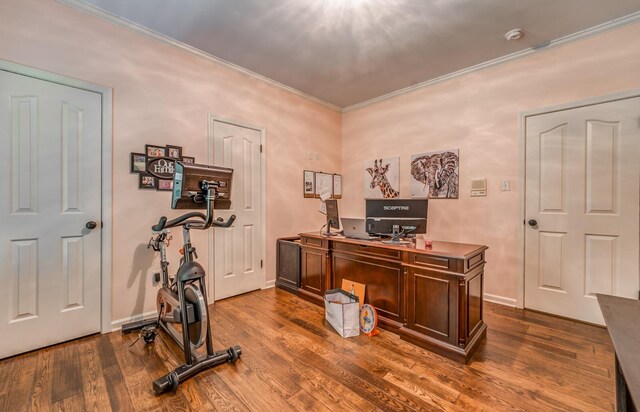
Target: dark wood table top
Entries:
(622, 317)
(446, 249)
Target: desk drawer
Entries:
(366, 249)
(430, 261)
(314, 242)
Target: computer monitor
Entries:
(333, 220)
(393, 217)
(189, 192)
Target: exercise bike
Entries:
(182, 299)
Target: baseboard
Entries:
(270, 284)
(116, 325)
(500, 300)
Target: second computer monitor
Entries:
(333, 220)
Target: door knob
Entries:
(533, 222)
(91, 225)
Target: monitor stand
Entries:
(329, 233)
(396, 242)
(395, 237)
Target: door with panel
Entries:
(50, 180)
(238, 249)
(582, 209)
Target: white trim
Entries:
(520, 228)
(116, 325)
(270, 284)
(263, 195)
(161, 38)
(500, 300)
(107, 202)
(571, 38)
(107, 153)
(520, 224)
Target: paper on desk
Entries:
(325, 193)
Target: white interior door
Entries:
(238, 249)
(583, 189)
(50, 177)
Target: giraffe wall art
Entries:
(435, 175)
(382, 178)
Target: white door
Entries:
(50, 177)
(238, 249)
(583, 189)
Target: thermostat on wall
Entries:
(478, 187)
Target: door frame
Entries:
(211, 118)
(520, 223)
(106, 172)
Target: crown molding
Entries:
(153, 35)
(571, 38)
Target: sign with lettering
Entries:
(161, 167)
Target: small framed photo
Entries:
(337, 186)
(165, 184)
(174, 152)
(155, 151)
(309, 185)
(188, 159)
(138, 163)
(147, 181)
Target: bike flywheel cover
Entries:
(197, 329)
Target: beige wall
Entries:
(478, 113)
(162, 96)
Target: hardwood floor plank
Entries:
(95, 393)
(303, 401)
(68, 381)
(73, 403)
(119, 397)
(19, 382)
(42, 381)
(220, 396)
(106, 351)
(195, 397)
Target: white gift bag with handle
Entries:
(342, 311)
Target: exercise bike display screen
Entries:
(188, 192)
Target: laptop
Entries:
(356, 229)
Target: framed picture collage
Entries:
(163, 160)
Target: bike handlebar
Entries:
(207, 220)
(160, 225)
(184, 220)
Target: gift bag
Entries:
(342, 311)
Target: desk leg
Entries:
(624, 403)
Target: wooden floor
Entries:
(292, 360)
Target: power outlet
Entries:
(155, 278)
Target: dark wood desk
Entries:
(430, 297)
(622, 317)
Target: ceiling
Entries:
(345, 52)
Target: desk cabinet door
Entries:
(383, 280)
(313, 270)
(432, 304)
